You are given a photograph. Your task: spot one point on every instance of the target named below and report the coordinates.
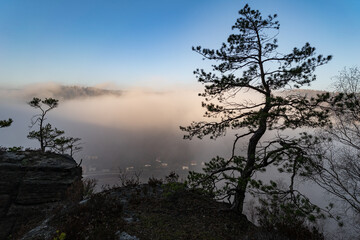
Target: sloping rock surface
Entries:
(32, 183)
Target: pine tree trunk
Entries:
(42, 145)
(238, 204)
(239, 200)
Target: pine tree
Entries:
(249, 61)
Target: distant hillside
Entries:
(57, 91)
(306, 92)
(74, 92)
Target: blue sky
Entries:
(148, 43)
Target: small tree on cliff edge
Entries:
(46, 134)
(253, 52)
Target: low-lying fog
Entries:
(133, 129)
(130, 128)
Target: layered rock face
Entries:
(31, 183)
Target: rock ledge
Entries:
(31, 183)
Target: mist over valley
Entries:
(137, 130)
(123, 129)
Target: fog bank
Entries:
(135, 128)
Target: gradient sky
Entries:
(148, 43)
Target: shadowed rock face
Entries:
(30, 184)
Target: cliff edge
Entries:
(32, 183)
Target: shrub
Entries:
(15, 149)
(129, 178)
(89, 185)
(153, 182)
(284, 217)
(98, 218)
(173, 186)
(172, 177)
(60, 236)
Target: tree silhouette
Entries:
(5, 123)
(249, 61)
(46, 134)
(64, 144)
(338, 169)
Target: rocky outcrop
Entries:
(31, 183)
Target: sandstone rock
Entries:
(41, 232)
(125, 236)
(31, 183)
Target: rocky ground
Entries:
(147, 212)
(42, 198)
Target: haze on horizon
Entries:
(133, 128)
